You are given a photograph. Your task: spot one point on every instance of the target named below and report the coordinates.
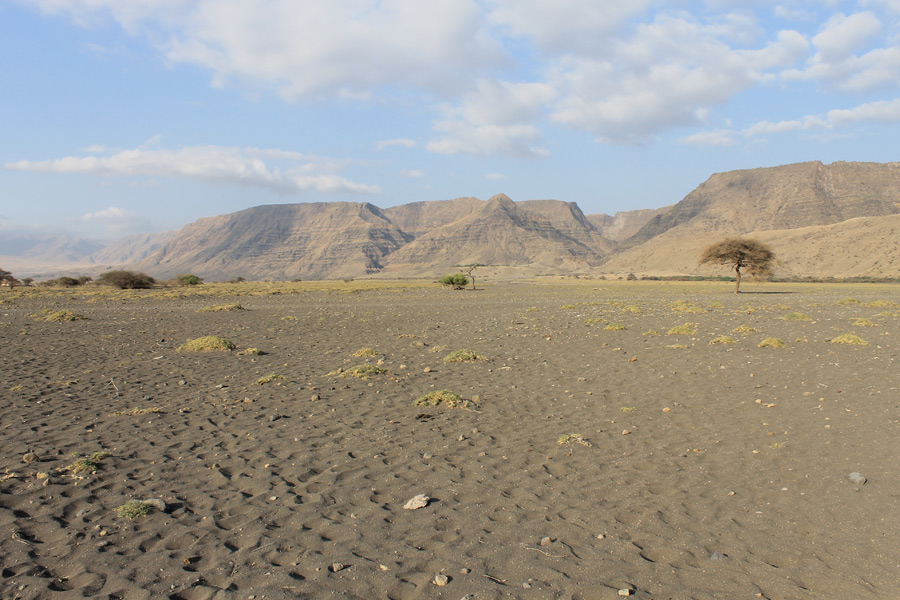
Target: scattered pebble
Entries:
(857, 478)
(314, 398)
(441, 580)
(416, 502)
(625, 432)
(30, 457)
(426, 370)
(546, 541)
(335, 567)
(717, 556)
(156, 503)
(624, 592)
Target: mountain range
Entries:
(840, 219)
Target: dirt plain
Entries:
(599, 452)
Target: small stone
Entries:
(416, 502)
(625, 432)
(335, 567)
(717, 556)
(476, 399)
(383, 567)
(314, 398)
(546, 541)
(30, 457)
(441, 580)
(601, 536)
(41, 475)
(428, 456)
(624, 592)
(426, 370)
(526, 585)
(465, 571)
(857, 478)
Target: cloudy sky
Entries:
(123, 116)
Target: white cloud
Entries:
(245, 166)
(314, 48)
(842, 35)
(498, 117)
(412, 173)
(403, 142)
(719, 139)
(668, 74)
(566, 25)
(115, 219)
(495, 176)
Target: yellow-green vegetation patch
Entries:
(594, 320)
(881, 304)
(863, 323)
(365, 352)
(87, 463)
(650, 333)
(138, 411)
(745, 329)
(288, 318)
(849, 338)
(685, 329)
(222, 307)
(252, 352)
(442, 397)
(572, 438)
(722, 339)
(568, 306)
(363, 371)
(716, 304)
(463, 355)
(771, 342)
(615, 327)
(686, 306)
(845, 301)
(629, 409)
(133, 509)
(631, 308)
(795, 316)
(16, 388)
(269, 379)
(60, 316)
(209, 343)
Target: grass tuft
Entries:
(269, 379)
(366, 353)
(849, 338)
(60, 316)
(686, 329)
(133, 509)
(363, 371)
(615, 327)
(445, 397)
(722, 339)
(795, 316)
(771, 342)
(863, 323)
(209, 343)
(462, 356)
(222, 307)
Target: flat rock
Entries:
(420, 501)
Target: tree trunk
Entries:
(737, 282)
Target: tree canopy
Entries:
(739, 253)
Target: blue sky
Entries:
(125, 116)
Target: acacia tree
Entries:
(738, 253)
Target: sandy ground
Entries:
(692, 470)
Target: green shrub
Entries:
(365, 353)
(126, 280)
(745, 329)
(615, 327)
(188, 279)
(457, 281)
(863, 323)
(771, 342)
(209, 343)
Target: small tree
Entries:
(188, 279)
(126, 280)
(6, 278)
(457, 281)
(749, 254)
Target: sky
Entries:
(138, 116)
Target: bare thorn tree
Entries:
(749, 254)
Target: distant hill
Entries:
(841, 219)
(775, 204)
